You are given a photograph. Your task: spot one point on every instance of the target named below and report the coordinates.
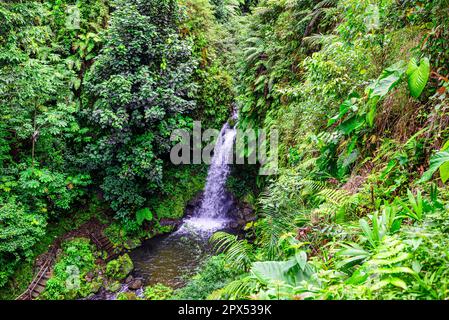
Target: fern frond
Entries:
(239, 253)
(313, 186)
(234, 290)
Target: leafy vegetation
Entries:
(90, 92)
(358, 93)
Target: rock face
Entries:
(194, 204)
(241, 213)
(174, 223)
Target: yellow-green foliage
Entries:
(158, 292)
(118, 269)
(69, 279)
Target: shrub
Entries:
(69, 279)
(158, 292)
(20, 230)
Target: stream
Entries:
(174, 258)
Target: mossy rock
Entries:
(132, 243)
(127, 296)
(119, 268)
(96, 285)
(232, 122)
(113, 286)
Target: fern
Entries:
(239, 253)
(314, 186)
(235, 290)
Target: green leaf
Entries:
(418, 76)
(344, 108)
(143, 214)
(438, 161)
(444, 172)
(351, 124)
(268, 271)
(386, 82)
(381, 87)
(301, 258)
(398, 283)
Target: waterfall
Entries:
(211, 215)
(213, 205)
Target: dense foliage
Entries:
(358, 91)
(90, 92)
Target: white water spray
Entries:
(211, 216)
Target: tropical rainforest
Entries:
(91, 91)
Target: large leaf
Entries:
(347, 105)
(386, 82)
(418, 76)
(389, 79)
(143, 214)
(292, 272)
(269, 271)
(439, 161)
(351, 124)
(382, 86)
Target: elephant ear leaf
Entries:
(439, 161)
(418, 76)
(268, 271)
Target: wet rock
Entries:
(241, 213)
(234, 225)
(129, 279)
(135, 284)
(193, 204)
(174, 223)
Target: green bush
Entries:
(70, 279)
(212, 276)
(158, 292)
(20, 230)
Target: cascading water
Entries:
(211, 215)
(172, 258)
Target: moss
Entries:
(113, 286)
(70, 278)
(121, 238)
(20, 280)
(119, 268)
(181, 186)
(24, 272)
(127, 296)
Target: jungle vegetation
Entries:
(90, 92)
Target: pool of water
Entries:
(171, 259)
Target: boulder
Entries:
(135, 284)
(119, 268)
(113, 286)
(193, 204)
